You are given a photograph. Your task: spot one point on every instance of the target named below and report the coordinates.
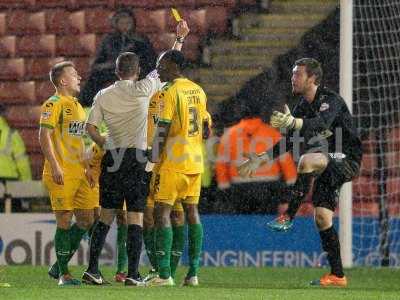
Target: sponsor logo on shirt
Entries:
(76, 128)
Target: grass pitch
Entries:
(29, 282)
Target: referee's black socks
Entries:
(330, 244)
(298, 192)
(134, 248)
(97, 241)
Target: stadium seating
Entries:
(37, 46)
(12, 69)
(31, 140)
(17, 92)
(97, 20)
(365, 189)
(21, 22)
(153, 21)
(15, 3)
(23, 116)
(76, 45)
(153, 4)
(2, 24)
(210, 3)
(40, 4)
(217, 19)
(82, 65)
(44, 90)
(7, 46)
(368, 164)
(38, 68)
(63, 22)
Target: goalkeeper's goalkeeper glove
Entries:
(285, 120)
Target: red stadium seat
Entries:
(94, 3)
(37, 161)
(44, 90)
(162, 42)
(149, 21)
(7, 46)
(365, 189)
(191, 50)
(77, 45)
(368, 165)
(23, 116)
(16, 3)
(2, 23)
(365, 209)
(40, 4)
(34, 46)
(82, 65)
(24, 23)
(38, 68)
(12, 69)
(98, 20)
(217, 19)
(242, 3)
(152, 4)
(64, 22)
(17, 92)
(208, 3)
(31, 139)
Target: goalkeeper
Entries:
(332, 157)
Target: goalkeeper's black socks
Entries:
(298, 192)
(134, 248)
(97, 241)
(331, 245)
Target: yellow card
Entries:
(176, 15)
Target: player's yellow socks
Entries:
(122, 258)
(178, 243)
(149, 239)
(62, 244)
(195, 245)
(163, 251)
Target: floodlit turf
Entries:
(216, 283)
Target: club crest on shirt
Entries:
(46, 115)
(324, 106)
(76, 128)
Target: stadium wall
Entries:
(240, 241)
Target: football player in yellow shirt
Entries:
(177, 214)
(62, 125)
(177, 149)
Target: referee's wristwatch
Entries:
(180, 39)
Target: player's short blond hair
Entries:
(57, 70)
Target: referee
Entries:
(124, 108)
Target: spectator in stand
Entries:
(122, 39)
(14, 163)
(262, 192)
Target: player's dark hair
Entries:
(176, 57)
(313, 67)
(127, 64)
(57, 70)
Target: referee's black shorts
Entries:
(328, 184)
(123, 178)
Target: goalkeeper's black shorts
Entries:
(340, 169)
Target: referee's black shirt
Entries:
(327, 125)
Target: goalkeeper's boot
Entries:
(330, 280)
(157, 281)
(152, 274)
(191, 281)
(282, 223)
(54, 271)
(120, 277)
(67, 280)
